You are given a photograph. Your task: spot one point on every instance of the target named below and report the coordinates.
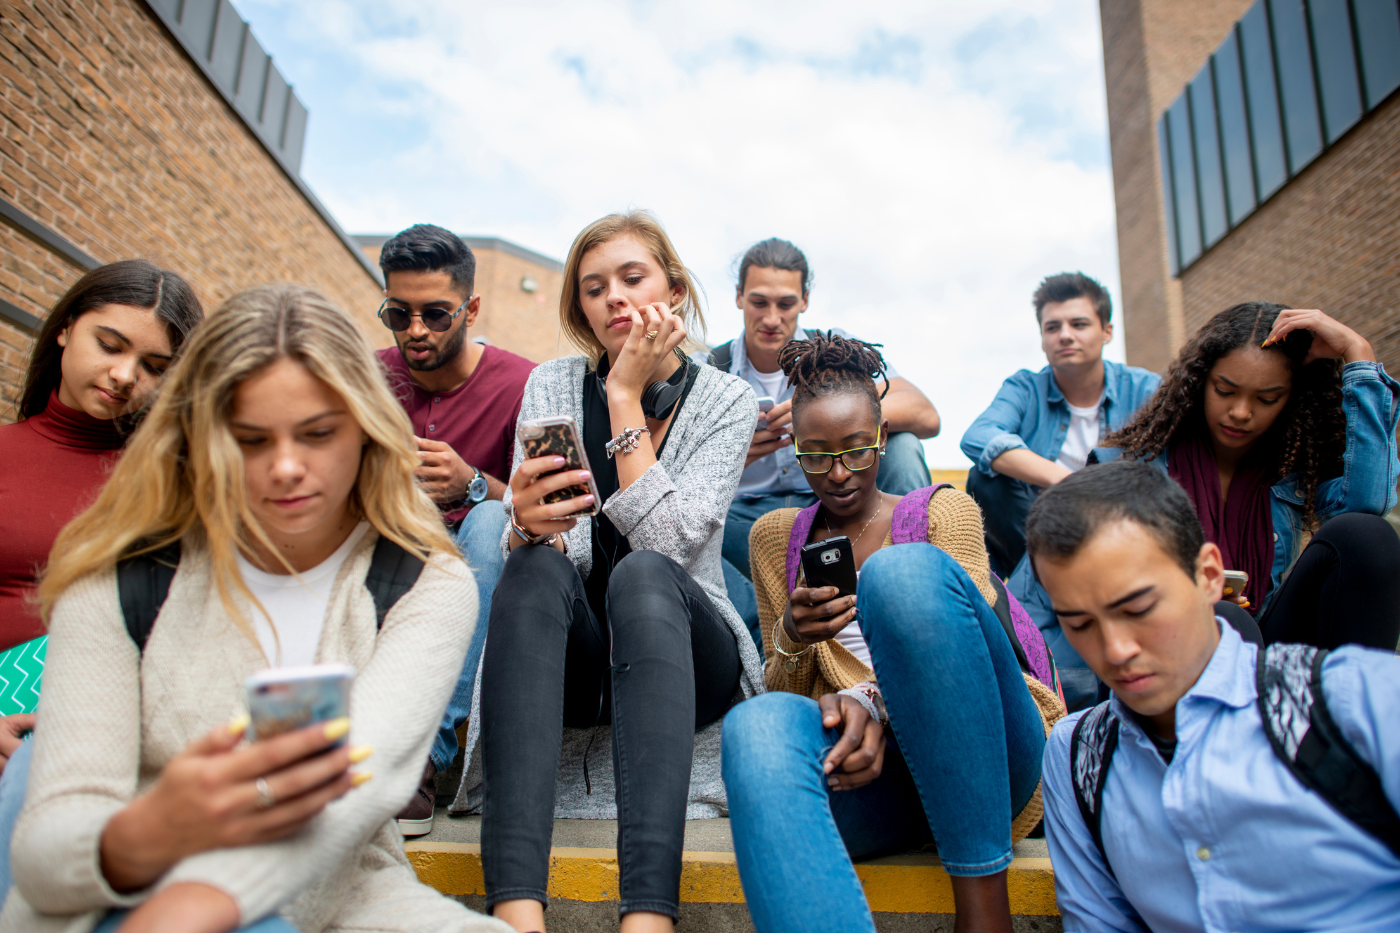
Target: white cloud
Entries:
(934, 159)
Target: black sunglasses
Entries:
(436, 320)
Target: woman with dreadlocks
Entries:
(1280, 423)
(922, 647)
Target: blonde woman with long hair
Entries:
(277, 460)
(622, 618)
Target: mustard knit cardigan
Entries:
(955, 525)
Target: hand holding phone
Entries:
(825, 604)
(559, 437)
(1235, 582)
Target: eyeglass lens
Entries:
(435, 319)
(854, 460)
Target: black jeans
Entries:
(1344, 589)
(1005, 503)
(664, 664)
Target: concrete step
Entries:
(906, 892)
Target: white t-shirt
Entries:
(296, 604)
(853, 641)
(772, 384)
(1082, 436)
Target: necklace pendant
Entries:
(791, 665)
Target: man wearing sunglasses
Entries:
(463, 399)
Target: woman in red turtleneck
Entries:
(96, 363)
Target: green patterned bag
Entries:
(21, 671)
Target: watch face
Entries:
(478, 489)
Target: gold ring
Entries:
(651, 334)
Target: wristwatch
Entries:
(477, 489)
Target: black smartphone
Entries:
(560, 436)
(830, 563)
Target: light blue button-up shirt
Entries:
(1030, 411)
(1225, 839)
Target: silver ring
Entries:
(265, 798)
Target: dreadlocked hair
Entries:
(827, 363)
(1309, 437)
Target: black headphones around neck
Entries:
(660, 398)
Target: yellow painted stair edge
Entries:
(901, 884)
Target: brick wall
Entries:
(1329, 239)
(111, 136)
(1152, 48)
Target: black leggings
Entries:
(1344, 590)
(664, 665)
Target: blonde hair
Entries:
(645, 227)
(183, 470)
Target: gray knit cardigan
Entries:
(676, 508)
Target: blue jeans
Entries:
(1005, 503)
(479, 540)
(13, 784)
(965, 758)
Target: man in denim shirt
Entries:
(1041, 426)
(1203, 825)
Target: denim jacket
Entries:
(1371, 405)
(1030, 411)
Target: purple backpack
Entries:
(910, 526)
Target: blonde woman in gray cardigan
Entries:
(277, 459)
(623, 618)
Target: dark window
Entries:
(1261, 94)
(1301, 126)
(1168, 199)
(1188, 223)
(1234, 130)
(1378, 36)
(1210, 179)
(1336, 65)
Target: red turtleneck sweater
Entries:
(52, 465)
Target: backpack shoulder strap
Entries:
(392, 573)
(801, 528)
(1091, 749)
(1306, 738)
(143, 582)
(909, 524)
(722, 356)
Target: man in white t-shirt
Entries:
(774, 280)
(1041, 426)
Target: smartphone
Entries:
(1235, 582)
(560, 436)
(284, 699)
(830, 563)
(766, 403)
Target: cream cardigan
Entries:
(110, 719)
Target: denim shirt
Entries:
(1030, 411)
(1367, 484)
(1225, 837)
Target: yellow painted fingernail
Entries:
(238, 723)
(360, 752)
(360, 777)
(338, 728)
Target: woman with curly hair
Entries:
(922, 647)
(1280, 423)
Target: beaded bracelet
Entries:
(626, 442)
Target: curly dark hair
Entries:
(827, 363)
(1309, 436)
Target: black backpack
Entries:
(1300, 729)
(143, 582)
(722, 356)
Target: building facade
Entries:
(157, 130)
(1256, 156)
(519, 292)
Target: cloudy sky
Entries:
(934, 158)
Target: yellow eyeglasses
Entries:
(855, 459)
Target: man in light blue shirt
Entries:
(1203, 824)
(774, 281)
(1041, 426)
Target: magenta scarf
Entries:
(1243, 525)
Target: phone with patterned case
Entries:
(284, 699)
(559, 435)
